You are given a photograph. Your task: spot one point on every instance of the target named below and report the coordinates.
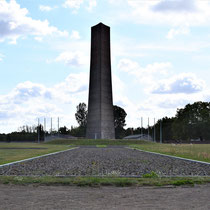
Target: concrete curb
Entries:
(19, 161)
(196, 161)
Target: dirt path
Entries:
(66, 197)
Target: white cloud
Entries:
(39, 39)
(46, 8)
(173, 13)
(76, 4)
(158, 79)
(1, 57)
(175, 6)
(73, 84)
(183, 83)
(164, 91)
(174, 32)
(147, 74)
(157, 107)
(91, 4)
(128, 65)
(75, 35)
(72, 58)
(166, 105)
(134, 68)
(15, 23)
(27, 90)
(29, 101)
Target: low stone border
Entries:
(19, 161)
(156, 153)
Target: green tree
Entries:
(193, 121)
(119, 121)
(167, 129)
(81, 117)
(119, 116)
(81, 114)
(63, 130)
(77, 131)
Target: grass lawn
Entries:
(103, 181)
(192, 151)
(101, 146)
(14, 154)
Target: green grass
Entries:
(199, 152)
(103, 181)
(10, 155)
(150, 175)
(77, 142)
(101, 146)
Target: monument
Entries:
(100, 121)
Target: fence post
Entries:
(44, 127)
(51, 127)
(148, 130)
(58, 126)
(141, 127)
(38, 131)
(154, 132)
(161, 132)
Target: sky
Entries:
(160, 52)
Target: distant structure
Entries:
(139, 137)
(100, 122)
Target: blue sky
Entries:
(160, 57)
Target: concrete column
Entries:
(100, 122)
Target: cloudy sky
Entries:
(160, 57)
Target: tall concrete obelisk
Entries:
(100, 122)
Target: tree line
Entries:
(190, 122)
(25, 133)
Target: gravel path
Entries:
(106, 161)
(116, 198)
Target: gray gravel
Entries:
(106, 161)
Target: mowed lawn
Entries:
(10, 152)
(199, 152)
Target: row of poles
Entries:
(58, 122)
(44, 127)
(161, 129)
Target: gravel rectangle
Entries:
(106, 161)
